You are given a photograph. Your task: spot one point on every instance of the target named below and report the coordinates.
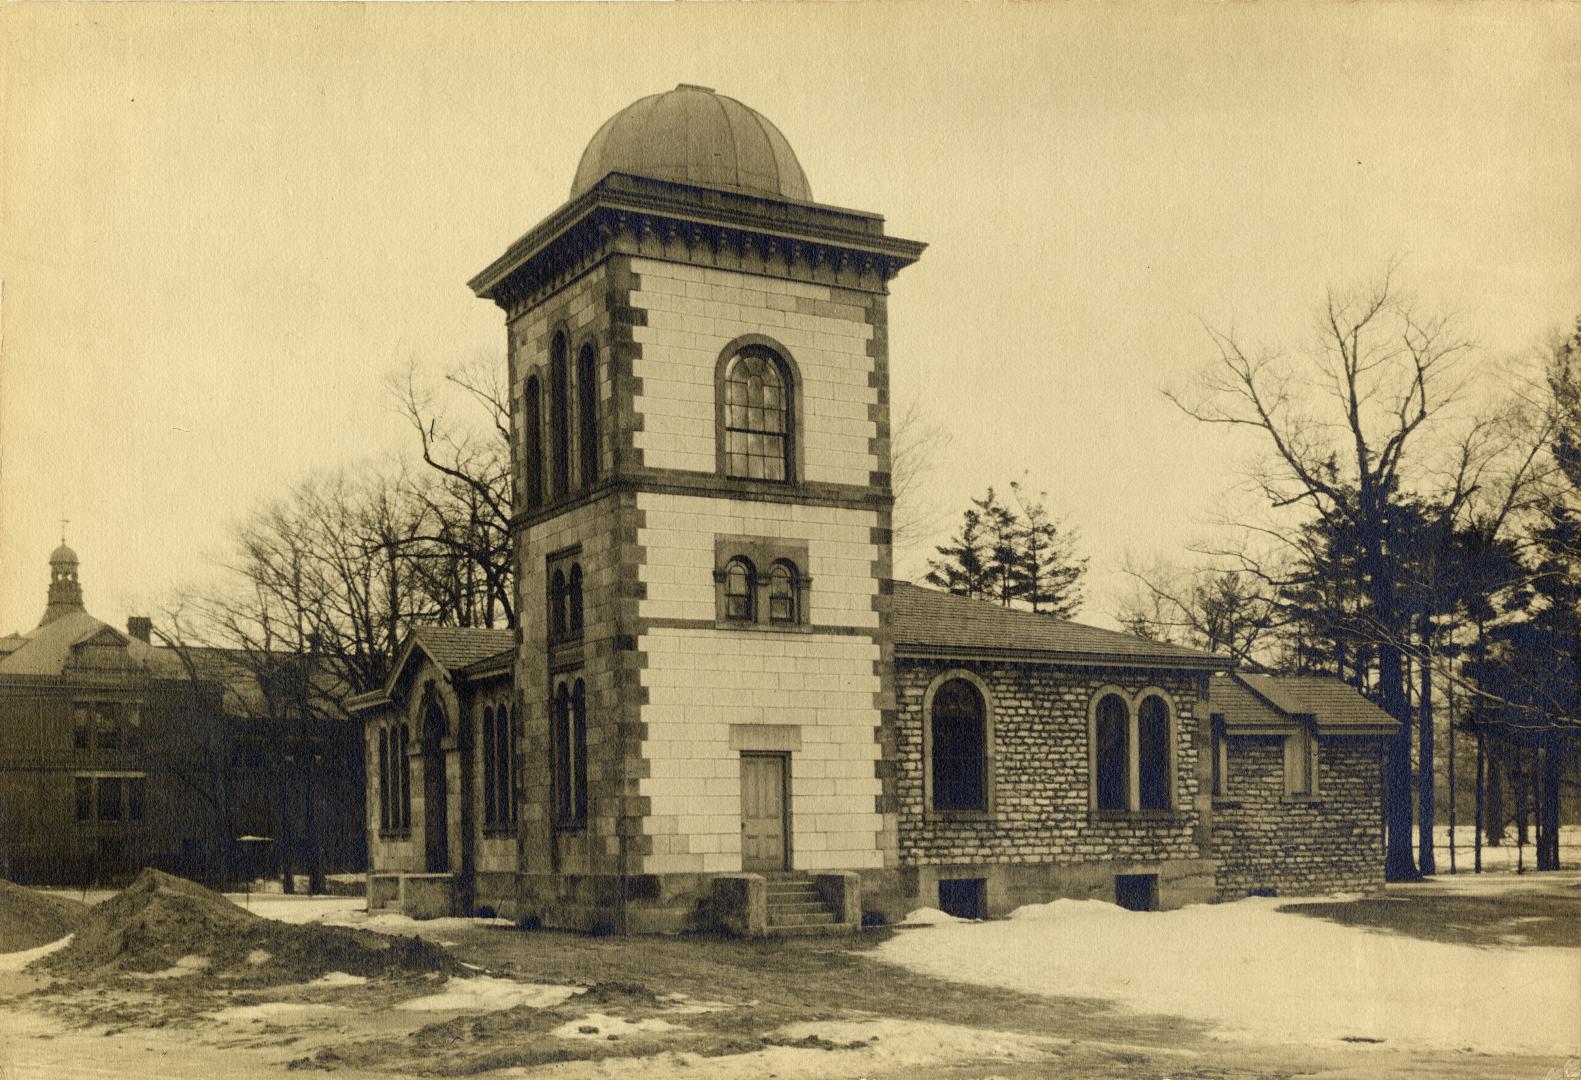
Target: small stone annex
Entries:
(720, 710)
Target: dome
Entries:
(62, 554)
(692, 135)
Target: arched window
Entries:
(757, 416)
(959, 741)
(574, 602)
(587, 413)
(560, 415)
(490, 749)
(740, 583)
(1112, 757)
(1152, 754)
(512, 735)
(384, 780)
(782, 593)
(558, 622)
(532, 421)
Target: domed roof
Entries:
(62, 554)
(692, 135)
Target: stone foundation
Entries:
(1007, 886)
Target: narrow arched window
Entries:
(1152, 753)
(782, 593)
(959, 743)
(532, 423)
(560, 415)
(1112, 753)
(757, 416)
(404, 771)
(587, 413)
(512, 736)
(557, 606)
(384, 780)
(574, 602)
(490, 749)
(740, 582)
(579, 752)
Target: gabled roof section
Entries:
(930, 623)
(1254, 704)
(464, 650)
(50, 648)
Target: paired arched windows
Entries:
(1132, 752)
(558, 453)
(757, 415)
(395, 779)
(499, 790)
(566, 606)
(958, 746)
(568, 747)
(760, 583)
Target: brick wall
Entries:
(1332, 842)
(1039, 765)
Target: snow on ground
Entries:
(599, 1025)
(889, 1047)
(1255, 972)
(1503, 858)
(16, 961)
(352, 911)
(339, 978)
(277, 1012)
(927, 916)
(484, 993)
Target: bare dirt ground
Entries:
(709, 1008)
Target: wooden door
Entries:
(764, 830)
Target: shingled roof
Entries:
(930, 623)
(1267, 702)
(457, 646)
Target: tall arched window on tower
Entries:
(587, 413)
(1111, 753)
(1152, 754)
(559, 606)
(490, 747)
(959, 739)
(574, 602)
(560, 415)
(757, 415)
(532, 424)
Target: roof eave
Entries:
(1204, 662)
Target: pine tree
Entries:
(1047, 573)
(962, 565)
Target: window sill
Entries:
(1122, 817)
(395, 834)
(570, 826)
(500, 831)
(770, 627)
(1225, 803)
(1302, 800)
(960, 815)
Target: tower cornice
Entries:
(635, 215)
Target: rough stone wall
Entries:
(1039, 809)
(1295, 845)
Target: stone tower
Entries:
(700, 422)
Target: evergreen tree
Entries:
(962, 564)
(1046, 571)
(1011, 555)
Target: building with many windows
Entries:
(727, 711)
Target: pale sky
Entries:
(223, 226)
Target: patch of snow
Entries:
(1256, 972)
(684, 1004)
(16, 961)
(274, 1010)
(603, 1026)
(927, 916)
(339, 978)
(187, 965)
(484, 993)
(258, 957)
(1501, 859)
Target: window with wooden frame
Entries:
(741, 583)
(1112, 753)
(110, 799)
(395, 811)
(757, 415)
(760, 583)
(499, 804)
(783, 591)
(957, 723)
(384, 780)
(1131, 752)
(1153, 754)
(564, 577)
(568, 745)
(1301, 763)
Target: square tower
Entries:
(700, 412)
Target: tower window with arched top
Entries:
(560, 415)
(782, 592)
(740, 583)
(587, 413)
(532, 426)
(757, 415)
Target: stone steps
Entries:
(795, 907)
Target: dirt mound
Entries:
(168, 927)
(29, 918)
